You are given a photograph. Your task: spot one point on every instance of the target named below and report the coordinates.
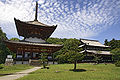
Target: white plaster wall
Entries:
(51, 62)
(20, 62)
(30, 39)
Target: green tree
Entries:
(106, 42)
(70, 52)
(4, 51)
(113, 44)
(14, 39)
(44, 59)
(74, 56)
(97, 57)
(116, 54)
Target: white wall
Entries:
(30, 39)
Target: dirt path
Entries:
(19, 74)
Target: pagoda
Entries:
(92, 49)
(35, 35)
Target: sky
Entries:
(89, 19)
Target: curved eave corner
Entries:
(28, 23)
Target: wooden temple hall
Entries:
(92, 49)
(35, 35)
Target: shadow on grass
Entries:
(1, 67)
(78, 70)
(6, 74)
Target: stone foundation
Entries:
(35, 62)
(22, 62)
(9, 62)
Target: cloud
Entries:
(75, 18)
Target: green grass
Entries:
(86, 72)
(6, 70)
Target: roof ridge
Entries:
(89, 40)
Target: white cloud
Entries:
(73, 20)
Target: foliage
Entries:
(62, 58)
(14, 39)
(106, 42)
(117, 64)
(56, 40)
(97, 57)
(4, 51)
(115, 49)
(44, 59)
(2, 35)
(116, 54)
(1, 66)
(71, 47)
(113, 43)
(74, 56)
(71, 52)
(62, 72)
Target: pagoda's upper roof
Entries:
(37, 23)
(92, 43)
(34, 29)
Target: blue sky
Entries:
(90, 19)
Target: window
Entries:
(27, 54)
(35, 55)
(19, 56)
(49, 57)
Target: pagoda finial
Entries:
(36, 11)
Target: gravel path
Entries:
(19, 74)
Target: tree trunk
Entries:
(43, 64)
(75, 62)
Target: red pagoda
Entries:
(35, 35)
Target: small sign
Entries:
(9, 56)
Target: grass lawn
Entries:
(85, 72)
(6, 70)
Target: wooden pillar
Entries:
(22, 56)
(53, 59)
(31, 54)
(16, 56)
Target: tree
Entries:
(97, 57)
(4, 51)
(106, 42)
(71, 51)
(2, 35)
(113, 44)
(14, 39)
(69, 45)
(74, 56)
(44, 59)
(116, 54)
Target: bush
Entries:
(117, 64)
(1, 66)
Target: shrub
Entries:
(1, 66)
(117, 64)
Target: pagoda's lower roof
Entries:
(35, 44)
(30, 46)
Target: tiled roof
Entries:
(97, 52)
(37, 23)
(92, 42)
(31, 43)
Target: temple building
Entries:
(35, 35)
(92, 49)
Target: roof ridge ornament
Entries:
(36, 11)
